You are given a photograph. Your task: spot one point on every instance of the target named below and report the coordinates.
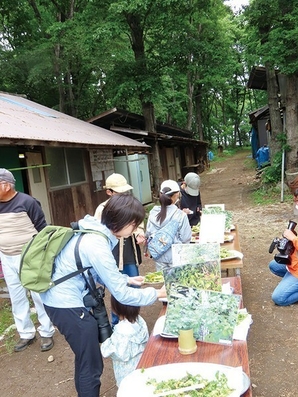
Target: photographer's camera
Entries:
(284, 246)
(100, 313)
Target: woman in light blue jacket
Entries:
(64, 302)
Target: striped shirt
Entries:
(20, 219)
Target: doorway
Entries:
(37, 182)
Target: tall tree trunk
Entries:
(190, 90)
(150, 125)
(274, 111)
(198, 105)
(59, 78)
(138, 47)
(291, 120)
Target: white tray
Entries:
(234, 254)
(134, 385)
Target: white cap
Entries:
(169, 187)
(117, 183)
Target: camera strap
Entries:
(90, 283)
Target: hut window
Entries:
(67, 166)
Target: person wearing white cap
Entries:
(159, 216)
(190, 201)
(127, 253)
(21, 217)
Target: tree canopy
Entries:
(182, 62)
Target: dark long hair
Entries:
(122, 210)
(165, 200)
(129, 312)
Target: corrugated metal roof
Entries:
(21, 119)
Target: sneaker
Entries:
(46, 344)
(23, 344)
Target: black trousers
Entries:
(80, 330)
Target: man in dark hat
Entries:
(21, 217)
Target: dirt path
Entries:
(272, 336)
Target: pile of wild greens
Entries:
(205, 275)
(218, 387)
(212, 315)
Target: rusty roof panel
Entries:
(27, 120)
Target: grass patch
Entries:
(270, 195)
(229, 152)
(250, 163)
(6, 320)
(9, 341)
(7, 327)
(6, 317)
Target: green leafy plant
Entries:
(7, 327)
(272, 174)
(265, 195)
(212, 315)
(6, 317)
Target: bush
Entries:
(272, 174)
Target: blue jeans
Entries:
(131, 270)
(286, 292)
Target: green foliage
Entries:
(7, 327)
(186, 58)
(229, 152)
(272, 174)
(6, 317)
(265, 195)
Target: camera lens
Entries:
(104, 327)
(99, 313)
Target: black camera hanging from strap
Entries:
(94, 299)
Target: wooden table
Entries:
(161, 350)
(233, 266)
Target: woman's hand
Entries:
(289, 234)
(137, 280)
(187, 211)
(161, 293)
(140, 238)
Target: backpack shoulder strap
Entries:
(80, 267)
(90, 283)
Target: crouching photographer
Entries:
(285, 265)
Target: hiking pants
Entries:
(20, 303)
(80, 330)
